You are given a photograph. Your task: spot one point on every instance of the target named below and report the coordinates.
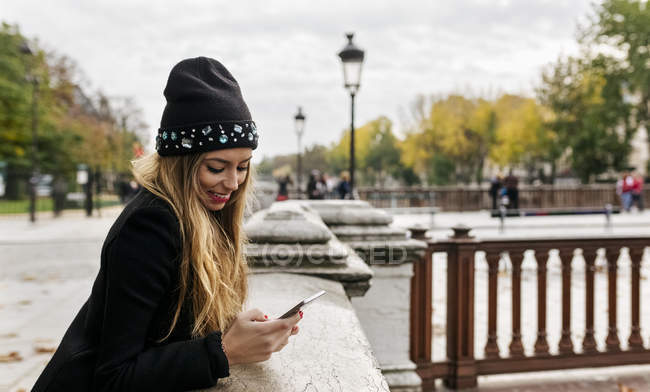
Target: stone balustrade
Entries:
(298, 247)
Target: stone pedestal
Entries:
(384, 313)
(291, 238)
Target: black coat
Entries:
(112, 344)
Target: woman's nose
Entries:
(231, 181)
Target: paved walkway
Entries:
(46, 273)
(47, 269)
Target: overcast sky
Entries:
(284, 53)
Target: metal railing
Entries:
(461, 198)
(462, 366)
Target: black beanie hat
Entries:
(205, 110)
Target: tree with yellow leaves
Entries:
(453, 141)
(522, 137)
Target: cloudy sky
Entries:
(284, 53)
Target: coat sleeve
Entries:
(140, 268)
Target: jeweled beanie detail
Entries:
(205, 110)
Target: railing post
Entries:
(491, 347)
(541, 344)
(516, 347)
(635, 341)
(421, 310)
(589, 342)
(565, 346)
(460, 310)
(612, 342)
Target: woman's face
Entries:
(220, 173)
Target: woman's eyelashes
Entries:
(217, 171)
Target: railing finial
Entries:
(461, 231)
(418, 232)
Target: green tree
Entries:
(72, 126)
(383, 156)
(15, 105)
(590, 117)
(623, 26)
(376, 152)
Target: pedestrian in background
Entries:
(343, 188)
(496, 183)
(330, 183)
(313, 190)
(283, 188)
(511, 184)
(59, 193)
(321, 185)
(637, 191)
(627, 184)
(165, 311)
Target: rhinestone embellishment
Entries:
(185, 139)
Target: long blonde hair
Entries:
(213, 266)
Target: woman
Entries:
(165, 312)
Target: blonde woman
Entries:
(165, 312)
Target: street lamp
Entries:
(31, 77)
(300, 129)
(352, 59)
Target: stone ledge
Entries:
(346, 212)
(368, 233)
(289, 223)
(331, 351)
(333, 253)
(354, 275)
(389, 252)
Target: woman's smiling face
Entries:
(220, 173)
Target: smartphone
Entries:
(301, 305)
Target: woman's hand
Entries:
(253, 338)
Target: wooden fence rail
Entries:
(461, 368)
(478, 198)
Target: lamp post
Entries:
(31, 77)
(300, 129)
(352, 60)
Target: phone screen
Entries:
(301, 304)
